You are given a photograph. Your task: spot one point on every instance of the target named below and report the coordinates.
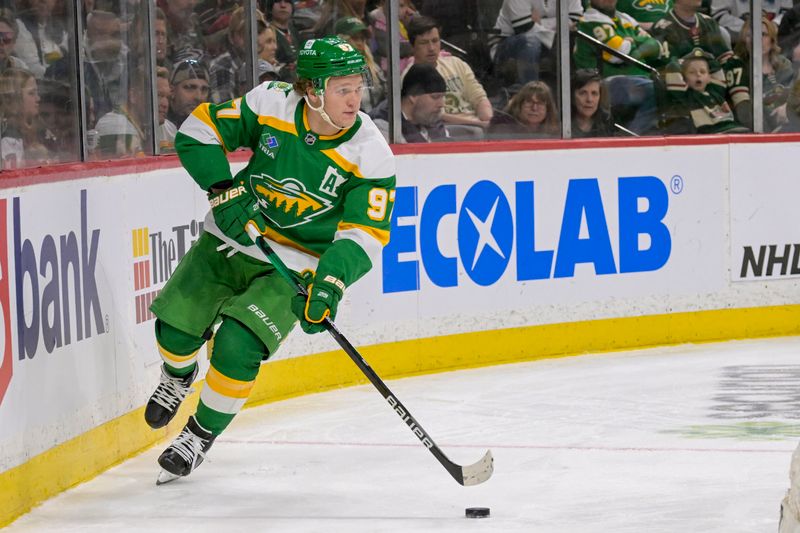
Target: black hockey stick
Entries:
(466, 475)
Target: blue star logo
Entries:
(485, 233)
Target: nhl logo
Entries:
(310, 139)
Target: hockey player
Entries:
(320, 186)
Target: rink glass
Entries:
(95, 92)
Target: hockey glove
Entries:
(232, 208)
(324, 293)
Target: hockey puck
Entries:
(477, 512)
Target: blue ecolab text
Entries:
(490, 228)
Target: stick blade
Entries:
(479, 472)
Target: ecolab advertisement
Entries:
(527, 238)
(479, 242)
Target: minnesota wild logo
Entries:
(287, 202)
(650, 5)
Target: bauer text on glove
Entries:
(324, 293)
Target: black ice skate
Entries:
(164, 403)
(185, 453)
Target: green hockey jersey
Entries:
(679, 38)
(644, 10)
(313, 190)
(708, 109)
(620, 32)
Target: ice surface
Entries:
(689, 438)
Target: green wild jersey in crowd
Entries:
(708, 109)
(312, 189)
(621, 32)
(682, 38)
(678, 39)
(644, 10)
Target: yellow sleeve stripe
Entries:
(278, 124)
(343, 163)
(203, 113)
(273, 235)
(175, 358)
(380, 235)
(232, 388)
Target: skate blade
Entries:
(166, 477)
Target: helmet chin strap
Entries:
(321, 111)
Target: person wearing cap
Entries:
(421, 105)
(189, 86)
(319, 186)
(354, 31)
(466, 102)
(694, 92)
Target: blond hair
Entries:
(774, 55)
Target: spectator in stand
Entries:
(267, 43)
(379, 27)
(354, 31)
(527, 31)
(629, 85)
(789, 35)
(793, 110)
(731, 14)
(685, 28)
(120, 131)
(457, 19)
(701, 96)
(106, 61)
(268, 67)
(225, 67)
(21, 139)
(58, 117)
(183, 30)
(161, 43)
(42, 39)
(134, 33)
(166, 130)
(531, 113)
(645, 13)
(8, 39)
(465, 102)
(778, 75)
(421, 107)
(214, 17)
(591, 116)
(189, 86)
(279, 14)
(333, 10)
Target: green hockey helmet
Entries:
(328, 57)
